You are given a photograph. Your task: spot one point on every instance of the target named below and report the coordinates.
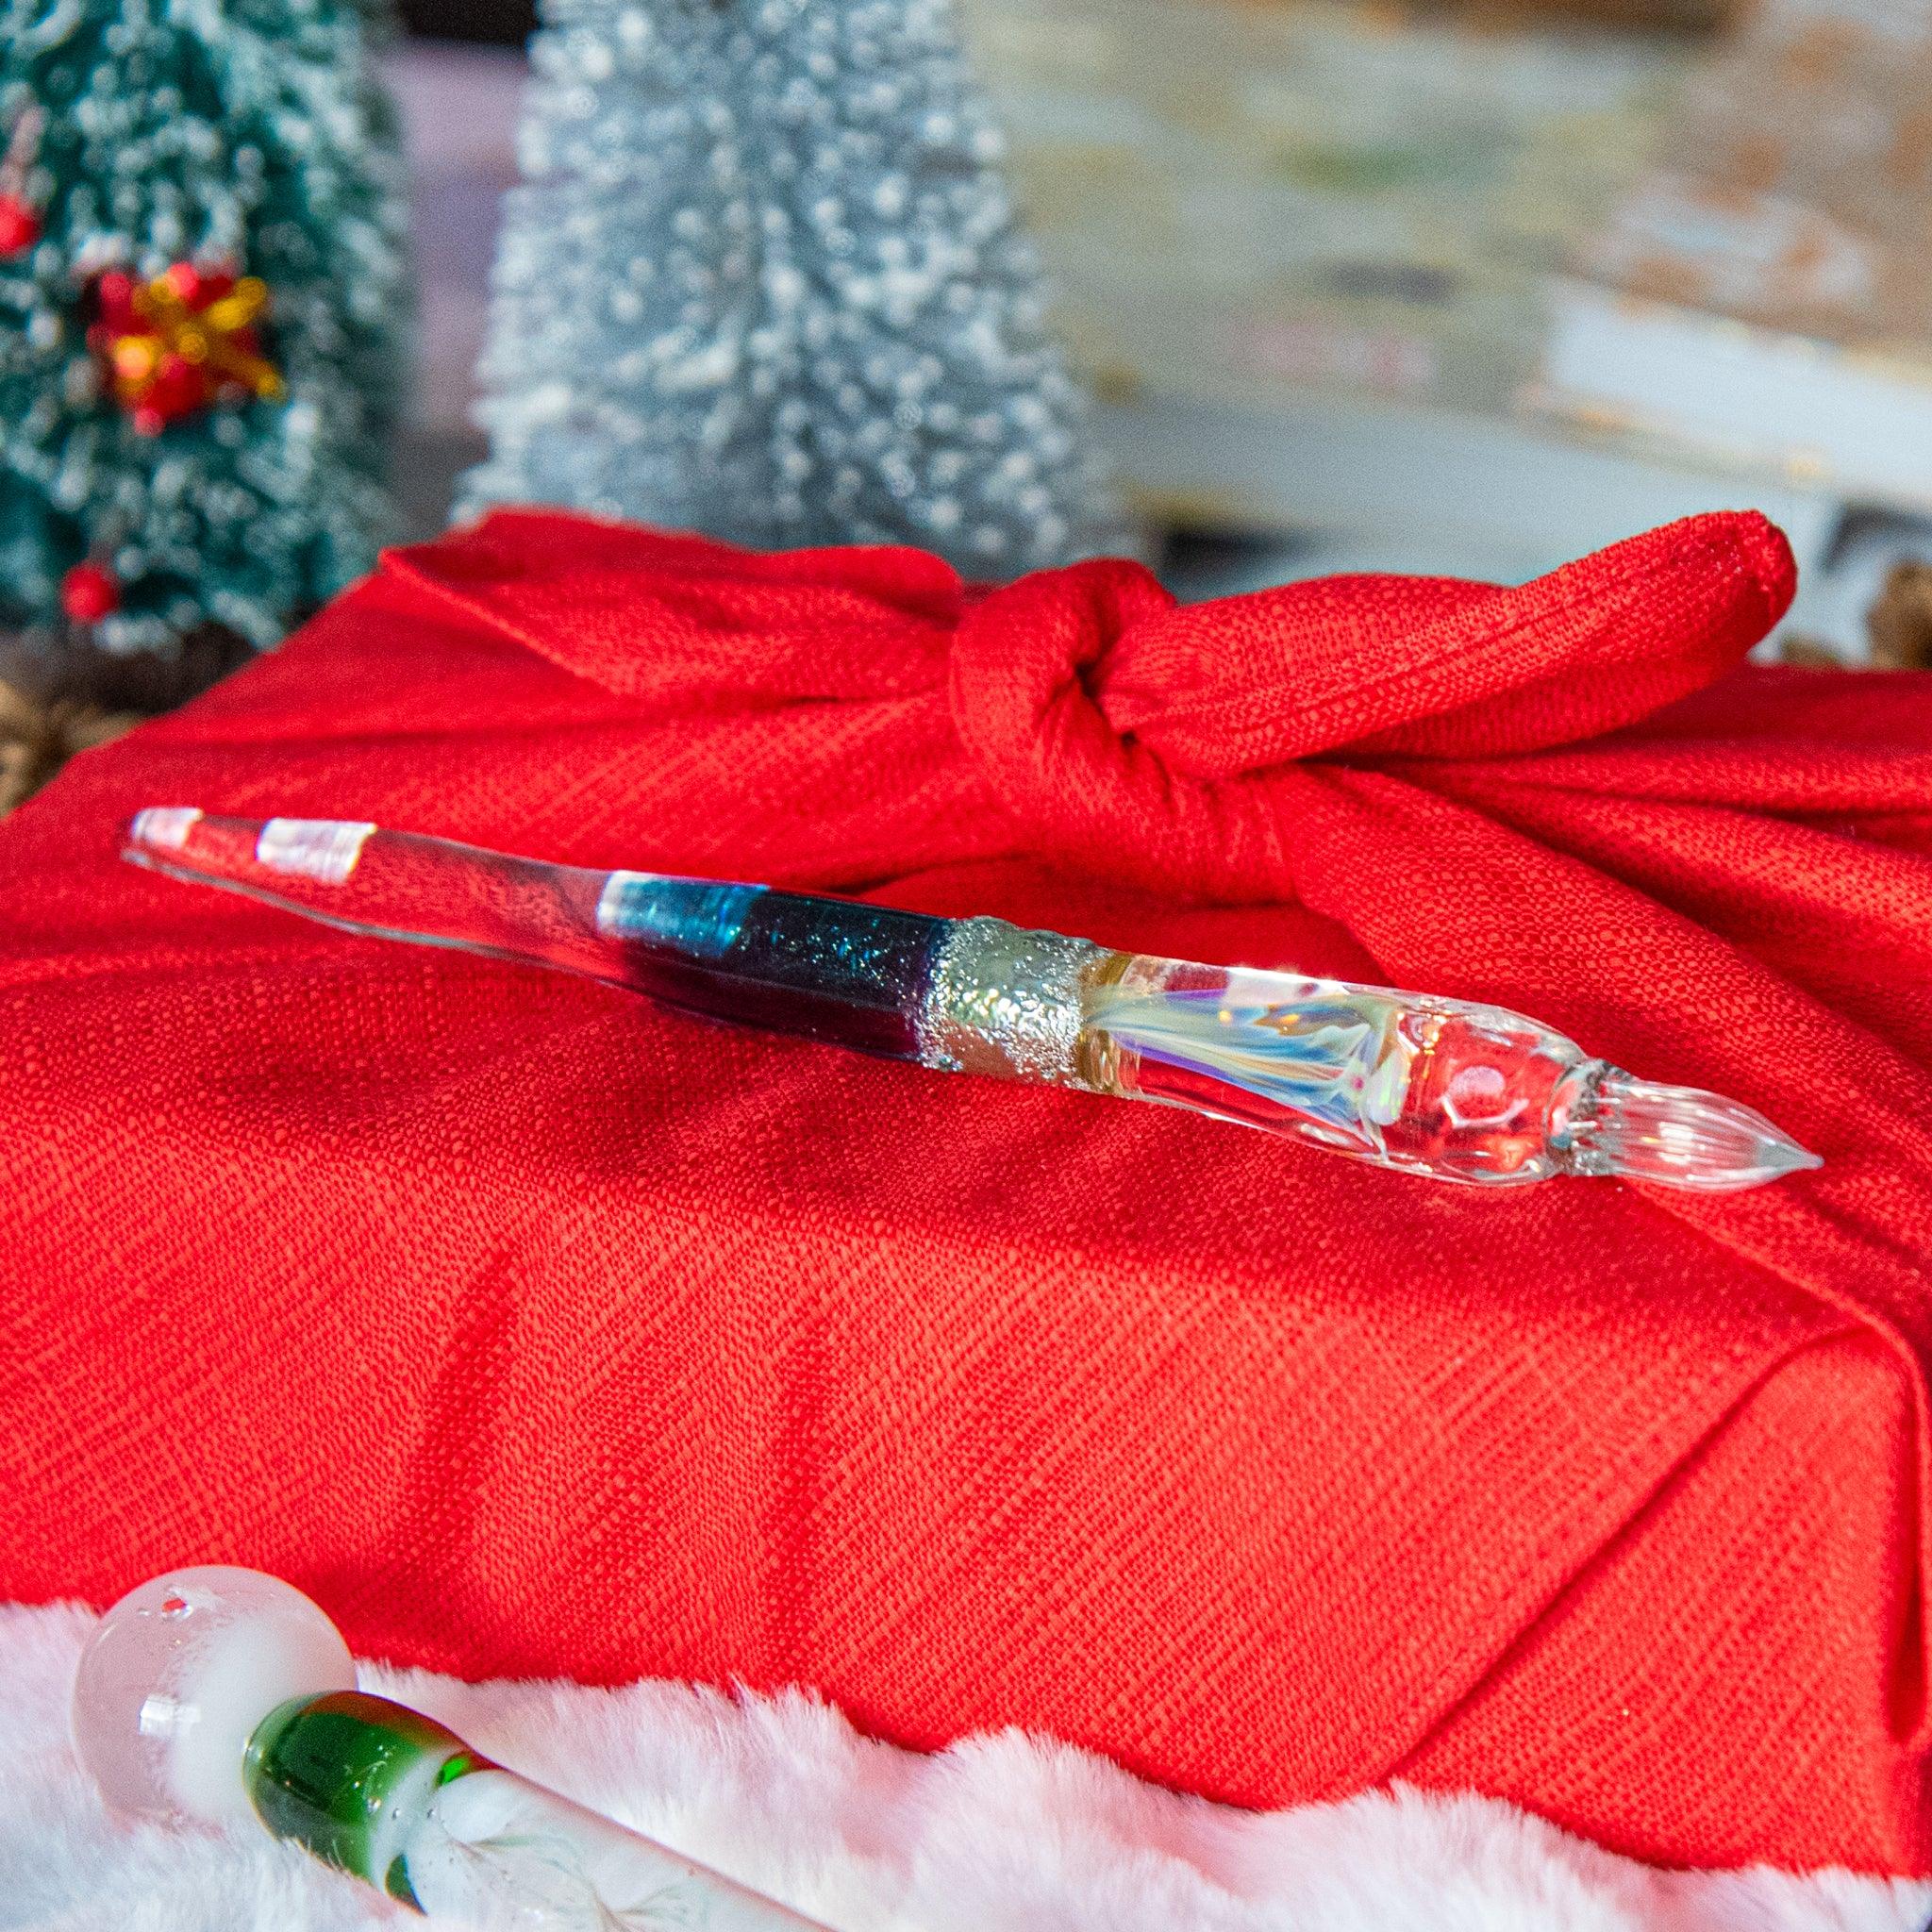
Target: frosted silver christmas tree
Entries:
(763, 279)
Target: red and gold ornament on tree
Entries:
(182, 342)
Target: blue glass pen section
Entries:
(692, 917)
(831, 969)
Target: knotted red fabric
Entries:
(534, 1329)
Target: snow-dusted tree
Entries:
(201, 313)
(763, 278)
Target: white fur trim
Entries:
(1006, 1832)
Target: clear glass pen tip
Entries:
(1682, 1137)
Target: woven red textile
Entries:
(534, 1329)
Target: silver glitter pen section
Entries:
(1006, 1001)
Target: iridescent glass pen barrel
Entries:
(1450, 1089)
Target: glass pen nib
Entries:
(1681, 1137)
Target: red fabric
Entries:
(535, 1330)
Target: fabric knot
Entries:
(1167, 744)
(1036, 698)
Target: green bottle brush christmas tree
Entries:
(202, 316)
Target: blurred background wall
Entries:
(1454, 288)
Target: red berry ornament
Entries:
(88, 593)
(20, 226)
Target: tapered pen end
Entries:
(1681, 1137)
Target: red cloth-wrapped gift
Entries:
(534, 1329)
